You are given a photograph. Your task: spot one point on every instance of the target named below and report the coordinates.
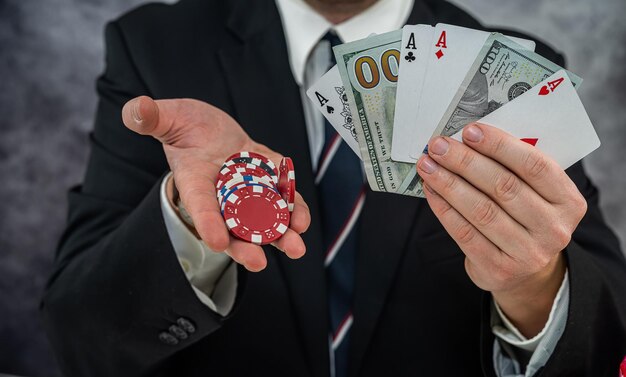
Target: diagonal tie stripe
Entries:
(341, 331)
(346, 229)
(327, 157)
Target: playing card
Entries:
(551, 117)
(414, 54)
(328, 96)
(453, 50)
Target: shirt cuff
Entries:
(510, 334)
(514, 354)
(213, 276)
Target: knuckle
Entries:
(450, 183)
(536, 165)
(466, 159)
(507, 187)
(542, 260)
(561, 237)
(465, 233)
(498, 146)
(444, 208)
(485, 212)
(557, 237)
(579, 205)
(537, 258)
(503, 274)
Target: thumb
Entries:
(141, 115)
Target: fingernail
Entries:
(427, 165)
(134, 111)
(439, 146)
(473, 133)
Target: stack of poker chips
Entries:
(255, 198)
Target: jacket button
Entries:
(168, 338)
(178, 332)
(186, 325)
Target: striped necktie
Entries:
(341, 189)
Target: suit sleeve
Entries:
(118, 299)
(594, 339)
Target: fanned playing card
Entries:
(328, 96)
(551, 117)
(453, 50)
(413, 57)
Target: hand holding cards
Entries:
(402, 88)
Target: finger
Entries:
(479, 250)
(301, 215)
(539, 171)
(197, 192)
(249, 255)
(291, 244)
(503, 186)
(154, 118)
(141, 114)
(482, 212)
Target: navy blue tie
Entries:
(341, 189)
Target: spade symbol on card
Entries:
(409, 57)
(330, 109)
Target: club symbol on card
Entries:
(530, 140)
(409, 57)
(330, 109)
(439, 54)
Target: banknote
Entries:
(369, 72)
(502, 71)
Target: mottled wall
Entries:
(51, 52)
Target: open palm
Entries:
(197, 138)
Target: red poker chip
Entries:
(225, 195)
(238, 178)
(287, 182)
(254, 158)
(252, 155)
(236, 182)
(228, 172)
(258, 215)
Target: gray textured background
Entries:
(51, 51)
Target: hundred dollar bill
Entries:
(369, 72)
(502, 71)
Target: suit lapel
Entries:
(267, 103)
(386, 223)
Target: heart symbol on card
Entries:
(330, 109)
(544, 90)
(530, 140)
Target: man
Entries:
(506, 269)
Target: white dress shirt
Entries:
(213, 276)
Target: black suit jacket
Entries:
(118, 284)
